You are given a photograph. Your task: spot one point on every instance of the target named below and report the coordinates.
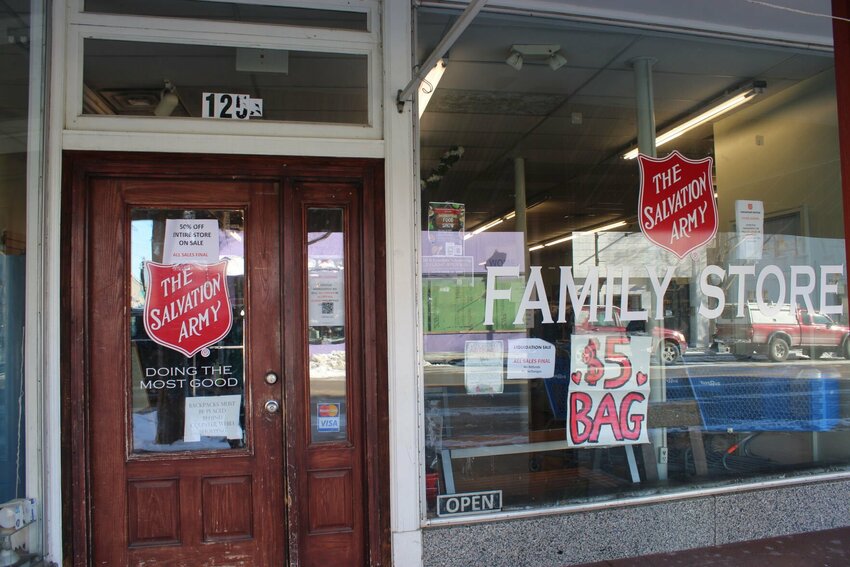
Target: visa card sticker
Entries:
(327, 417)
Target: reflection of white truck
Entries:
(776, 335)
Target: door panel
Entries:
(202, 436)
(326, 372)
(182, 498)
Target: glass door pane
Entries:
(326, 324)
(187, 314)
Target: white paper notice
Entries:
(326, 308)
(530, 358)
(608, 391)
(212, 416)
(749, 222)
(483, 368)
(190, 241)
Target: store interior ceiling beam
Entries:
(442, 48)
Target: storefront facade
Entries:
(432, 283)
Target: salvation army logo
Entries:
(676, 203)
(187, 307)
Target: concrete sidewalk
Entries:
(829, 548)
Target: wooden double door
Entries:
(224, 361)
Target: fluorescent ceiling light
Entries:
(506, 217)
(560, 240)
(567, 238)
(608, 226)
(481, 229)
(429, 84)
(706, 116)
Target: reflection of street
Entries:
(697, 357)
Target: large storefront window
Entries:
(14, 82)
(599, 325)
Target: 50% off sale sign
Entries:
(608, 394)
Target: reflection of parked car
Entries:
(667, 344)
(775, 335)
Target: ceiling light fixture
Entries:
(559, 240)
(515, 60)
(609, 226)
(168, 101)
(539, 199)
(429, 85)
(567, 238)
(557, 61)
(481, 229)
(549, 53)
(713, 112)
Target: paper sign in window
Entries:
(327, 307)
(212, 416)
(190, 240)
(484, 367)
(446, 225)
(530, 358)
(608, 394)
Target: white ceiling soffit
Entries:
(772, 21)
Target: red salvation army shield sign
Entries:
(187, 307)
(676, 204)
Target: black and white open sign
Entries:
(469, 503)
(231, 106)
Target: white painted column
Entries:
(407, 487)
(43, 308)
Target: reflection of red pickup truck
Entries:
(759, 333)
(667, 344)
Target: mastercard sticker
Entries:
(327, 417)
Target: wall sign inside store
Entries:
(609, 390)
(469, 503)
(231, 106)
(749, 225)
(677, 207)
